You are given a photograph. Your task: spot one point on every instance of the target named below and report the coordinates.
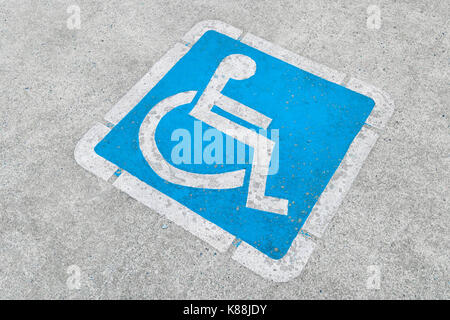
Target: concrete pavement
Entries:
(56, 82)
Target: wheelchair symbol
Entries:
(237, 67)
(330, 121)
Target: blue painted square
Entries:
(317, 121)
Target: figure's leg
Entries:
(256, 198)
(262, 148)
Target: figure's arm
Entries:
(242, 111)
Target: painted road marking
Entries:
(295, 138)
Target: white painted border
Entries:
(340, 183)
(282, 270)
(200, 28)
(86, 157)
(291, 265)
(294, 59)
(174, 211)
(384, 106)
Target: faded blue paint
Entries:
(317, 121)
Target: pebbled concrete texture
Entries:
(56, 83)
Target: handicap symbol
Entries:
(236, 67)
(329, 122)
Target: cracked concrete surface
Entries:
(56, 83)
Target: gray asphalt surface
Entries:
(56, 83)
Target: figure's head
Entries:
(237, 67)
